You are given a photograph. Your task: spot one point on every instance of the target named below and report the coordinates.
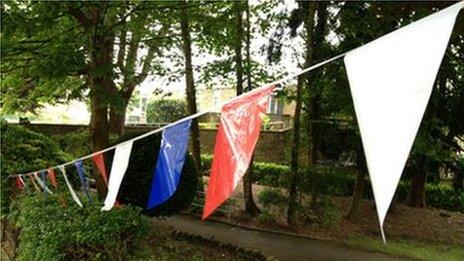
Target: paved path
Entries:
(281, 247)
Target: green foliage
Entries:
(75, 143)
(272, 196)
(340, 182)
(136, 184)
(51, 232)
(166, 110)
(23, 150)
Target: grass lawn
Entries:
(410, 249)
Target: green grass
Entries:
(410, 249)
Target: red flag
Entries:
(52, 177)
(100, 163)
(19, 183)
(237, 135)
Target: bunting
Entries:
(19, 183)
(40, 180)
(85, 185)
(71, 190)
(52, 177)
(391, 80)
(31, 177)
(118, 169)
(171, 158)
(100, 163)
(238, 132)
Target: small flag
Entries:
(19, 184)
(52, 177)
(80, 169)
(31, 177)
(391, 80)
(118, 169)
(237, 135)
(100, 163)
(41, 181)
(171, 158)
(20, 178)
(71, 190)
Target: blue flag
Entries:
(80, 169)
(171, 158)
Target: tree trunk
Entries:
(118, 118)
(358, 191)
(309, 25)
(314, 113)
(419, 178)
(190, 91)
(250, 206)
(100, 50)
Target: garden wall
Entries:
(273, 146)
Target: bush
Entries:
(136, 184)
(272, 196)
(166, 110)
(340, 182)
(51, 232)
(23, 150)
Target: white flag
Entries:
(391, 80)
(42, 184)
(71, 190)
(118, 169)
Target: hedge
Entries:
(52, 232)
(340, 182)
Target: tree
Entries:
(190, 89)
(50, 45)
(309, 26)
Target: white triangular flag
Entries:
(118, 169)
(71, 190)
(42, 184)
(391, 80)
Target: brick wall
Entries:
(273, 146)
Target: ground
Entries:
(413, 232)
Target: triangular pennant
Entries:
(32, 178)
(19, 183)
(41, 181)
(52, 177)
(237, 135)
(71, 190)
(85, 185)
(391, 80)
(99, 161)
(171, 158)
(118, 169)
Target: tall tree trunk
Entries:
(190, 91)
(117, 118)
(358, 191)
(419, 178)
(250, 205)
(309, 25)
(100, 51)
(315, 92)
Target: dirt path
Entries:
(281, 247)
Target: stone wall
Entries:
(273, 146)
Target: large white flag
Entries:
(118, 169)
(391, 80)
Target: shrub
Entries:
(51, 232)
(166, 110)
(272, 196)
(136, 183)
(76, 143)
(23, 150)
(340, 182)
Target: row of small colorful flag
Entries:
(240, 124)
